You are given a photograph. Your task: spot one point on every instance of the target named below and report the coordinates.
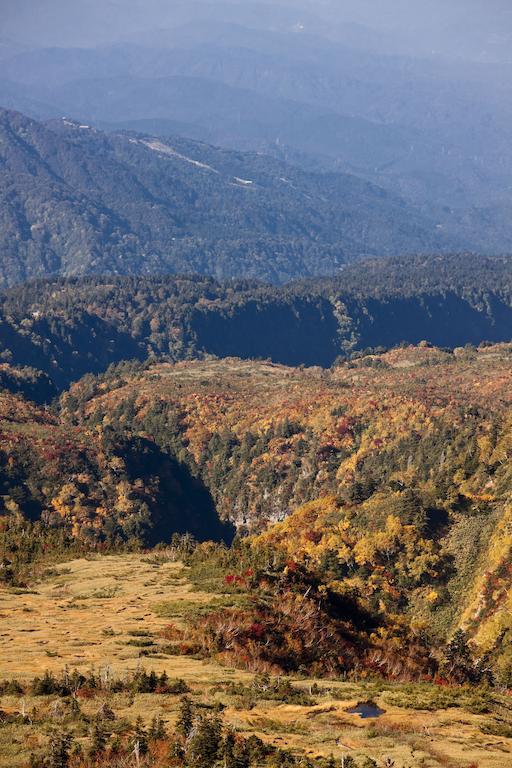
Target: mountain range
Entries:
(388, 477)
(255, 384)
(310, 88)
(57, 331)
(76, 201)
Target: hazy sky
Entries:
(414, 95)
(475, 29)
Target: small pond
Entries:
(366, 709)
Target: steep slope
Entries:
(117, 487)
(68, 328)
(77, 201)
(305, 91)
(386, 480)
(392, 473)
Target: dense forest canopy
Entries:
(380, 89)
(67, 328)
(365, 479)
(77, 201)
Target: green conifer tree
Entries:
(140, 736)
(58, 751)
(98, 740)
(204, 743)
(185, 718)
(156, 729)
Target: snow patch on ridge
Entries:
(164, 149)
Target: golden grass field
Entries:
(88, 612)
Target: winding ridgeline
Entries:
(67, 328)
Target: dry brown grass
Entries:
(86, 612)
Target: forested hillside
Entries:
(392, 472)
(77, 201)
(103, 486)
(318, 84)
(255, 384)
(386, 479)
(68, 328)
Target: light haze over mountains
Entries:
(412, 96)
(475, 30)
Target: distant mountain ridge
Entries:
(76, 201)
(293, 90)
(70, 327)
